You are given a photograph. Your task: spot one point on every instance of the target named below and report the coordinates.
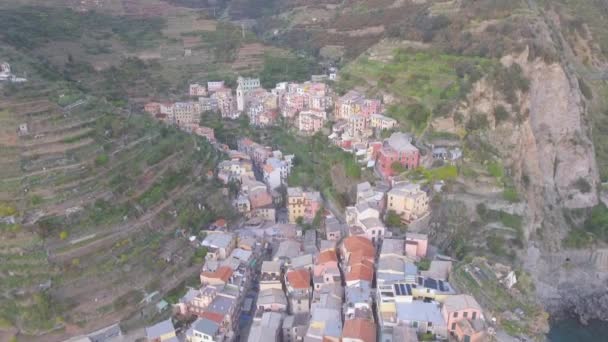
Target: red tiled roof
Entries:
(222, 272)
(327, 256)
(359, 245)
(213, 316)
(220, 223)
(299, 279)
(360, 272)
(359, 328)
(268, 168)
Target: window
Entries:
(456, 314)
(465, 314)
(474, 315)
(453, 326)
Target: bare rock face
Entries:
(551, 147)
(556, 119)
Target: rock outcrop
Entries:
(550, 147)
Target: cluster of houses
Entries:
(357, 120)
(259, 196)
(186, 115)
(342, 281)
(407, 200)
(411, 303)
(224, 279)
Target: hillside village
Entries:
(298, 269)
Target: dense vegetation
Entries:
(32, 27)
(281, 69)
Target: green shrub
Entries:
(393, 219)
(597, 223)
(577, 238)
(509, 220)
(496, 170)
(36, 200)
(510, 194)
(477, 121)
(102, 160)
(496, 244)
(500, 114)
(424, 264)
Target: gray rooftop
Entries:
(401, 142)
(272, 296)
(218, 240)
(301, 261)
(271, 267)
(206, 326)
(288, 249)
(419, 311)
(159, 329)
(295, 192)
(221, 305)
(372, 222)
(392, 246)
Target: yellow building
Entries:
(408, 201)
(295, 203)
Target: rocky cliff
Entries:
(549, 152)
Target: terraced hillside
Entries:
(102, 202)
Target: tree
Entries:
(300, 221)
(233, 188)
(397, 167)
(63, 235)
(316, 222)
(394, 220)
(500, 114)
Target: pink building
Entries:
(416, 245)
(370, 107)
(152, 108)
(311, 121)
(197, 90)
(397, 149)
(460, 307)
(325, 261)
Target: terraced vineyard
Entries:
(103, 202)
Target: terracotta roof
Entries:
(220, 223)
(359, 245)
(327, 256)
(358, 258)
(268, 168)
(222, 272)
(213, 316)
(299, 279)
(360, 272)
(361, 329)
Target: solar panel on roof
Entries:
(409, 288)
(397, 290)
(402, 287)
